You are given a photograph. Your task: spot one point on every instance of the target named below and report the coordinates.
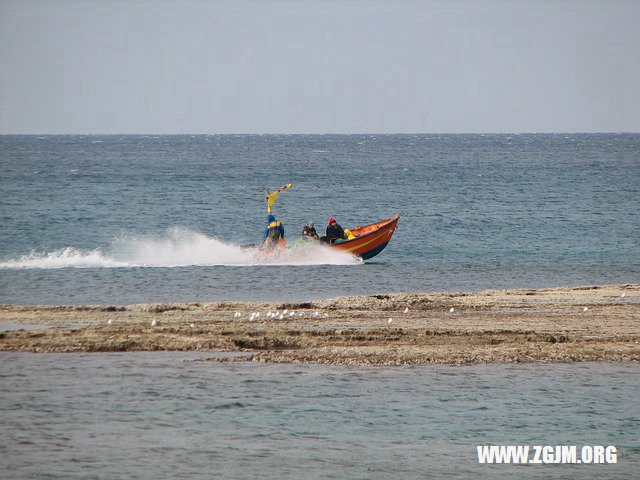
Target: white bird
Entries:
(237, 314)
(301, 314)
(153, 323)
(109, 322)
(585, 309)
(315, 314)
(292, 313)
(192, 325)
(451, 310)
(285, 311)
(281, 316)
(406, 310)
(390, 320)
(623, 295)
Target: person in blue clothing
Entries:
(273, 233)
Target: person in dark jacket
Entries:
(273, 233)
(309, 232)
(334, 231)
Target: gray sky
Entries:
(319, 66)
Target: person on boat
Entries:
(334, 231)
(273, 233)
(309, 232)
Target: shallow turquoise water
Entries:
(152, 415)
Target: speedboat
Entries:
(370, 240)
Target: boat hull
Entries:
(370, 240)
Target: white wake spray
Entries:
(179, 247)
(63, 258)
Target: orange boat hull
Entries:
(370, 240)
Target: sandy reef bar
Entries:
(565, 324)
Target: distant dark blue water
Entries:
(123, 219)
(151, 415)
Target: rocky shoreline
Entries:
(565, 324)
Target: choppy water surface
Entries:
(152, 415)
(122, 219)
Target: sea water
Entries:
(140, 218)
(153, 415)
(122, 219)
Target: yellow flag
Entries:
(271, 197)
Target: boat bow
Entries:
(369, 240)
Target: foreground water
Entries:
(152, 415)
(123, 219)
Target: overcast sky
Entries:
(319, 66)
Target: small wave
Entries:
(177, 248)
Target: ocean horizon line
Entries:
(231, 134)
